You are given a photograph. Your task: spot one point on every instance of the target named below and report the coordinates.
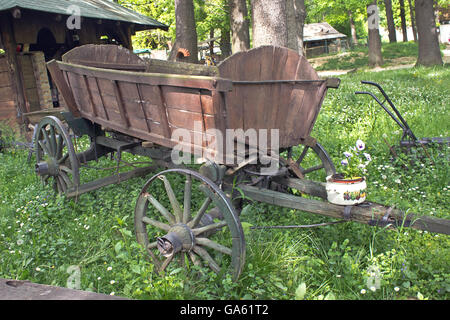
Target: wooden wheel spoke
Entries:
(44, 147)
(302, 155)
(205, 256)
(45, 178)
(166, 262)
(63, 158)
(315, 168)
(156, 224)
(187, 199)
(194, 259)
(166, 214)
(46, 141)
(66, 179)
(65, 169)
(152, 245)
(59, 146)
(213, 245)
(53, 140)
(209, 227)
(56, 185)
(194, 222)
(62, 184)
(173, 200)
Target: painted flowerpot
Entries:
(346, 192)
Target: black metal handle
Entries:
(400, 121)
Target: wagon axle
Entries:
(49, 167)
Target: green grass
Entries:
(43, 236)
(358, 58)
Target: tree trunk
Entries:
(413, 20)
(225, 45)
(291, 25)
(240, 34)
(269, 23)
(211, 44)
(403, 20)
(185, 46)
(375, 57)
(352, 27)
(390, 21)
(300, 17)
(429, 51)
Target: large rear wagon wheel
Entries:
(56, 160)
(181, 214)
(306, 161)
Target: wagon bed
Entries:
(263, 88)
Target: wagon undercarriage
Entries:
(137, 112)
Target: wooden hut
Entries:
(34, 32)
(320, 38)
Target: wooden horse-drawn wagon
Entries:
(127, 105)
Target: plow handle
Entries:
(400, 121)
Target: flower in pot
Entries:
(349, 186)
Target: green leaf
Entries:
(246, 226)
(118, 247)
(330, 296)
(136, 269)
(300, 292)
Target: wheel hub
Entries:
(49, 167)
(179, 238)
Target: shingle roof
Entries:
(320, 31)
(98, 9)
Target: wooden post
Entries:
(9, 42)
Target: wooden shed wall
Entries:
(7, 103)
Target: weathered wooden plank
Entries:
(110, 65)
(151, 97)
(188, 99)
(25, 290)
(89, 96)
(104, 55)
(4, 79)
(371, 213)
(173, 67)
(63, 87)
(163, 116)
(97, 96)
(313, 188)
(199, 82)
(3, 64)
(12, 64)
(118, 178)
(120, 103)
(6, 94)
(141, 105)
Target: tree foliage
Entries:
(209, 14)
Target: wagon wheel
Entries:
(56, 160)
(309, 159)
(197, 224)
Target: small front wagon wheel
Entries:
(56, 160)
(181, 214)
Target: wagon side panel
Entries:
(264, 95)
(148, 106)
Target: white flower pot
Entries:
(346, 192)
